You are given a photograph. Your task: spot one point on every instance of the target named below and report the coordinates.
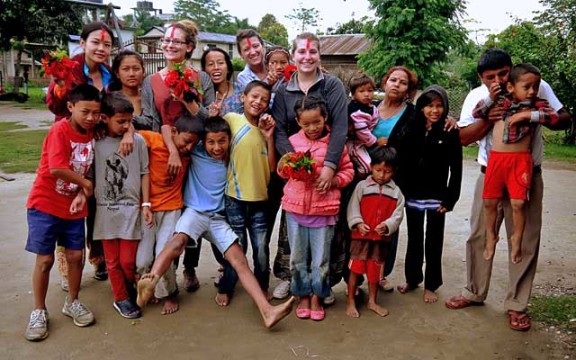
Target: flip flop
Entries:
(519, 321)
(460, 302)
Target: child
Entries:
(311, 214)
(204, 216)
(252, 156)
(430, 175)
(511, 150)
(56, 206)
(362, 117)
(375, 211)
(121, 189)
(166, 202)
(277, 60)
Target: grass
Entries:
(19, 150)
(36, 97)
(559, 311)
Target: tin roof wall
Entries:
(343, 44)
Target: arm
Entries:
(127, 143)
(482, 109)
(146, 210)
(174, 162)
(345, 173)
(455, 180)
(336, 101)
(353, 214)
(266, 124)
(56, 99)
(393, 222)
(72, 177)
(279, 114)
(150, 119)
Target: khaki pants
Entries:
(521, 275)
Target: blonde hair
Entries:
(191, 30)
(305, 36)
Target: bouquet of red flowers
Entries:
(57, 64)
(289, 70)
(185, 82)
(299, 166)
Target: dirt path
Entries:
(202, 330)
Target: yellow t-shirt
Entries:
(248, 170)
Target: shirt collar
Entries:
(293, 82)
(106, 75)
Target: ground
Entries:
(203, 330)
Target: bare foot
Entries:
(146, 287)
(351, 309)
(377, 309)
(404, 288)
(490, 248)
(276, 313)
(430, 297)
(154, 300)
(170, 305)
(222, 299)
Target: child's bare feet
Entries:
(146, 287)
(515, 249)
(404, 288)
(430, 297)
(377, 309)
(222, 299)
(276, 313)
(170, 305)
(490, 248)
(351, 309)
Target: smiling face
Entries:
(433, 111)
(97, 47)
(118, 124)
(130, 72)
(252, 51)
(174, 45)
(216, 67)
(396, 86)
(312, 122)
(217, 144)
(255, 102)
(306, 56)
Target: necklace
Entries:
(224, 95)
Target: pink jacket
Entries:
(364, 123)
(301, 197)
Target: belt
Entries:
(535, 170)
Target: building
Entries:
(340, 52)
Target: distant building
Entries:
(340, 52)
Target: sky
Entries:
(483, 16)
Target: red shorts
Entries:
(369, 267)
(511, 171)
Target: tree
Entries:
(205, 13)
(143, 20)
(304, 17)
(271, 30)
(351, 27)
(414, 33)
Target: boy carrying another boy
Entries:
(57, 207)
(205, 217)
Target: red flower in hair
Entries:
(289, 70)
(185, 83)
(57, 64)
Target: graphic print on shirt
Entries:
(81, 159)
(115, 175)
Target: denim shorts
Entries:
(45, 230)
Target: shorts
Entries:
(369, 267)
(511, 171)
(212, 227)
(45, 230)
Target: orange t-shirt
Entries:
(165, 192)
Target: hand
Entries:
(518, 117)
(88, 188)
(363, 229)
(383, 141)
(496, 113)
(148, 217)
(266, 124)
(324, 181)
(78, 203)
(271, 78)
(450, 124)
(381, 229)
(282, 162)
(441, 209)
(126, 144)
(215, 108)
(174, 164)
(495, 91)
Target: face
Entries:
(396, 87)
(130, 73)
(382, 173)
(306, 56)
(278, 62)
(252, 51)
(526, 87)
(433, 111)
(312, 122)
(216, 67)
(184, 141)
(500, 76)
(216, 144)
(174, 45)
(97, 46)
(118, 124)
(364, 94)
(85, 115)
(256, 101)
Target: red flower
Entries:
(299, 166)
(57, 64)
(289, 70)
(184, 83)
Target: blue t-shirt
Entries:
(204, 189)
(384, 127)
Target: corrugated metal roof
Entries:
(215, 37)
(343, 44)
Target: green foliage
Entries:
(19, 150)
(143, 21)
(351, 27)
(238, 64)
(554, 310)
(208, 16)
(304, 17)
(271, 30)
(414, 33)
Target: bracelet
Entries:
(146, 204)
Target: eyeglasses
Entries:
(174, 42)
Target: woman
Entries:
(217, 64)
(251, 49)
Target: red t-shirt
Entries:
(63, 148)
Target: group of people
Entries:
(155, 171)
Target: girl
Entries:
(430, 174)
(251, 49)
(128, 66)
(312, 212)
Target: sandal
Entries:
(127, 309)
(519, 321)
(460, 302)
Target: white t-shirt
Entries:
(485, 144)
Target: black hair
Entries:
(84, 92)
(257, 83)
(116, 102)
(311, 102)
(386, 155)
(493, 59)
(276, 49)
(123, 54)
(95, 26)
(522, 69)
(216, 124)
(229, 65)
(360, 80)
(189, 124)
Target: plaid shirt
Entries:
(541, 113)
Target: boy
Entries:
(56, 206)
(122, 187)
(205, 217)
(165, 202)
(362, 118)
(511, 150)
(375, 211)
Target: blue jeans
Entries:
(248, 217)
(309, 275)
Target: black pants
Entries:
(418, 246)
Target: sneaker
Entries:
(78, 312)
(331, 299)
(191, 282)
(282, 290)
(100, 272)
(64, 283)
(37, 329)
(127, 309)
